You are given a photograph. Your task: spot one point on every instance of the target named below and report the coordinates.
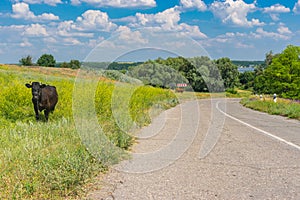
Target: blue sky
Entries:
(107, 30)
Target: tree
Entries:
(26, 61)
(282, 76)
(46, 60)
(269, 57)
(64, 65)
(247, 79)
(74, 64)
(155, 74)
(229, 72)
(205, 75)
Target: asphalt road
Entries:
(210, 149)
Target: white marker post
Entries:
(274, 98)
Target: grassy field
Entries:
(283, 107)
(40, 160)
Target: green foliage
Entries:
(282, 76)
(247, 79)
(73, 64)
(229, 72)
(204, 76)
(48, 160)
(158, 75)
(26, 61)
(122, 65)
(46, 60)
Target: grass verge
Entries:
(283, 107)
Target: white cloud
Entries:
(282, 34)
(241, 45)
(94, 20)
(131, 37)
(68, 29)
(277, 8)
(235, 12)
(191, 31)
(22, 11)
(25, 43)
(35, 30)
(167, 20)
(283, 30)
(296, 8)
(193, 4)
(117, 3)
(87, 25)
(49, 2)
(94, 42)
(71, 41)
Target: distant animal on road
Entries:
(44, 97)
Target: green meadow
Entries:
(54, 160)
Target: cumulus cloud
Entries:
(117, 3)
(22, 11)
(35, 30)
(235, 12)
(167, 20)
(193, 4)
(296, 8)
(283, 30)
(282, 34)
(86, 25)
(71, 41)
(49, 2)
(275, 10)
(94, 20)
(129, 36)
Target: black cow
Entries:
(44, 97)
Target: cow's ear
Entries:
(43, 85)
(28, 85)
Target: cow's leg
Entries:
(36, 110)
(46, 112)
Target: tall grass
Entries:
(41, 160)
(282, 107)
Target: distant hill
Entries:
(122, 65)
(245, 63)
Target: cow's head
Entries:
(36, 89)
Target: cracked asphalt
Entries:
(194, 151)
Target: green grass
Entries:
(282, 107)
(53, 160)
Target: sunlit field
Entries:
(40, 160)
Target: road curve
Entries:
(210, 149)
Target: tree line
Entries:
(200, 73)
(278, 73)
(47, 60)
